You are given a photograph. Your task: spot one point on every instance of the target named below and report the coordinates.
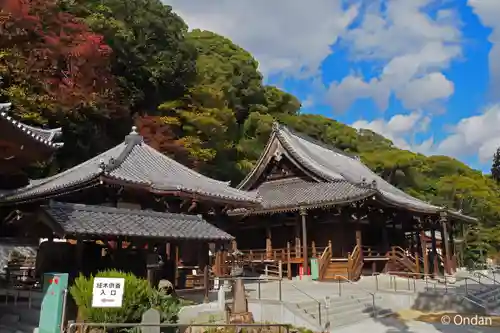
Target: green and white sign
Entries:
(108, 292)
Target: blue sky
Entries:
(415, 71)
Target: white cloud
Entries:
(413, 48)
(476, 135)
(489, 12)
(399, 129)
(288, 36)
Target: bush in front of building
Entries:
(138, 297)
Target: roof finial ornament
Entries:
(276, 126)
(134, 130)
(102, 165)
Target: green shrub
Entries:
(138, 297)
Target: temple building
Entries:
(123, 201)
(22, 145)
(321, 203)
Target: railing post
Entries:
(319, 313)
(349, 265)
(258, 287)
(266, 271)
(313, 244)
(330, 247)
(280, 290)
(280, 270)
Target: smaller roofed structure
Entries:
(77, 220)
(337, 176)
(135, 164)
(23, 144)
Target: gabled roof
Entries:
(45, 136)
(291, 194)
(95, 221)
(327, 164)
(133, 163)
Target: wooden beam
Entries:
(303, 215)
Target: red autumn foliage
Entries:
(54, 53)
(160, 136)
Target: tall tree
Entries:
(55, 71)
(151, 59)
(495, 166)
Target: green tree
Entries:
(495, 167)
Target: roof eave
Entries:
(30, 131)
(301, 206)
(184, 193)
(434, 211)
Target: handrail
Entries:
(324, 261)
(361, 288)
(314, 299)
(356, 262)
(479, 275)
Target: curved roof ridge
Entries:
(42, 135)
(316, 141)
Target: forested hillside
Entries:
(96, 67)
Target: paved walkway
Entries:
(391, 325)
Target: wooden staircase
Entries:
(401, 261)
(335, 269)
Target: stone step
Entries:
(18, 328)
(354, 317)
(25, 314)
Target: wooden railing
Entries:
(355, 262)
(324, 260)
(399, 255)
(371, 251)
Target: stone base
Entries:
(241, 318)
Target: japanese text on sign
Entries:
(108, 292)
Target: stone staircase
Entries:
(343, 310)
(19, 316)
(487, 296)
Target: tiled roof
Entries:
(294, 193)
(329, 165)
(132, 162)
(91, 221)
(44, 136)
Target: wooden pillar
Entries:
(434, 251)
(79, 253)
(288, 261)
(203, 256)
(423, 245)
(453, 255)
(298, 248)
(359, 241)
(385, 237)
(303, 215)
(444, 239)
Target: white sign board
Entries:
(108, 292)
